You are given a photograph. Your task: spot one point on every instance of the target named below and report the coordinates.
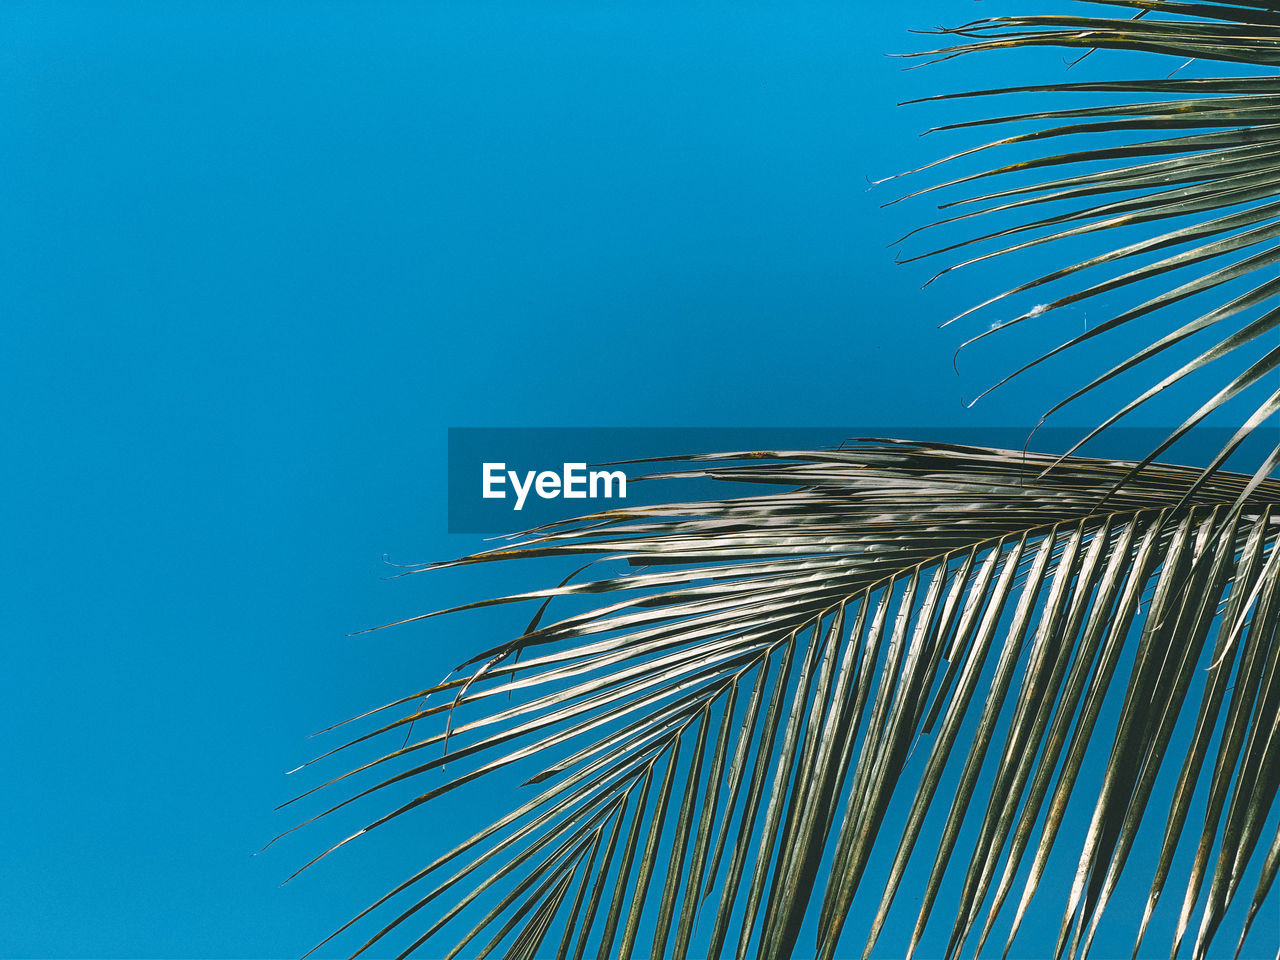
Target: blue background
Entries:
(258, 256)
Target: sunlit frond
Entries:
(717, 739)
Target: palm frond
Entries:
(1196, 159)
(716, 741)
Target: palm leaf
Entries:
(715, 742)
(1196, 159)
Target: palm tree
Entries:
(724, 742)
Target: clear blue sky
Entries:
(258, 256)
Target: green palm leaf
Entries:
(1195, 159)
(715, 741)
